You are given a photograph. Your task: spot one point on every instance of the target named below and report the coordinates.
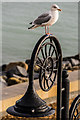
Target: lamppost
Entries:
(47, 55)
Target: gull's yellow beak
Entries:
(59, 9)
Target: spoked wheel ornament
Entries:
(75, 109)
(46, 57)
(47, 60)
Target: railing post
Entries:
(59, 90)
(65, 95)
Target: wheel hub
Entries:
(48, 67)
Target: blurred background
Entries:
(18, 42)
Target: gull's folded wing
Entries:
(42, 19)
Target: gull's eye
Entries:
(54, 7)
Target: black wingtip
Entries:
(31, 27)
(30, 23)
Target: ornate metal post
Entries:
(47, 55)
(59, 89)
(65, 96)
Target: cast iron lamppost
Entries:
(47, 55)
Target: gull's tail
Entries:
(33, 26)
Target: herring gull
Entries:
(46, 19)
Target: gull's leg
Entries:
(45, 29)
(48, 29)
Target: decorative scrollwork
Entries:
(75, 109)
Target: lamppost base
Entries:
(30, 105)
(11, 110)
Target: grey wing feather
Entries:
(42, 19)
(43, 15)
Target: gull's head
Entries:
(55, 7)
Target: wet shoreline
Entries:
(17, 72)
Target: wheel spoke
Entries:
(51, 80)
(40, 60)
(40, 66)
(44, 84)
(78, 115)
(77, 111)
(44, 80)
(74, 117)
(46, 50)
(42, 53)
(50, 49)
(52, 53)
(42, 75)
(55, 61)
(47, 83)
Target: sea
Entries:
(18, 42)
